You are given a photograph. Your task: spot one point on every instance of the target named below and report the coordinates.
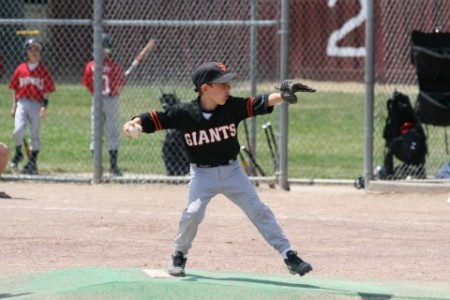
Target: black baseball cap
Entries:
(212, 72)
(33, 42)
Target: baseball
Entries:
(134, 130)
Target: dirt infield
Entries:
(345, 233)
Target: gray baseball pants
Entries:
(111, 120)
(232, 182)
(27, 111)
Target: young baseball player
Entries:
(113, 82)
(209, 126)
(4, 152)
(32, 84)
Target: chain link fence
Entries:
(326, 51)
(185, 35)
(395, 71)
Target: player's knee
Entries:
(193, 217)
(17, 132)
(264, 213)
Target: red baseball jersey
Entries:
(113, 77)
(31, 84)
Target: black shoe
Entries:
(296, 265)
(4, 195)
(14, 165)
(30, 169)
(177, 264)
(18, 157)
(115, 171)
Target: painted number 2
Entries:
(332, 48)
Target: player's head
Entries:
(33, 48)
(212, 72)
(106, 43)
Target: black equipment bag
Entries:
(430, 54)
(403, 132)
(174, 153)
(433, 108)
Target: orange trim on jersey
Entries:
(250, 101)
(156, 120)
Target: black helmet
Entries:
(32, 41)
(106, 41)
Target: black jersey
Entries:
(208, 141)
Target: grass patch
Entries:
(325, 133)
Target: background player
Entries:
(113, 82)
(209, 125)
(4, 152)
(32, 84)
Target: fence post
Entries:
(253, 70)
(284, 73)
(369, 81)
(98, 70)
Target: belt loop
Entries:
(226, 163)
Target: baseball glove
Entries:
(288, 89)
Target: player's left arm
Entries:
(44, 105)
(49, 86)
(288, 88)
(250, 107)
(120, 78)
(274, 99)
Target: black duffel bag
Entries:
(433, 108)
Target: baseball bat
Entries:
(274, 142)
(27, 148)
(251, 167)
(272, 135)
(257, 166)
(141, 56)
(247, 136)
(265, 127)
(244, 164)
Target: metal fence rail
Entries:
(394, 71)
(71, 33)
(321, 43)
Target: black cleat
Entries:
(14, 164)
(177, 264)
(115, 171)
(296, 265)
(4, 195)
(30, 169)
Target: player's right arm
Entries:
(14, 105)
(130, 124)
(14, 84)
(88, 80)
(135, 120)
(154, 120)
